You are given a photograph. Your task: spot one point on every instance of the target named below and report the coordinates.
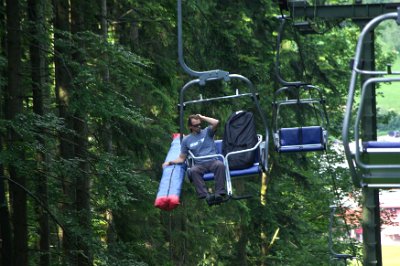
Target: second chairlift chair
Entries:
(301, 133)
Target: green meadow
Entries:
(388, 94)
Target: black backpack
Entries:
(240, 134)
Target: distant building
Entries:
(390, 218)
(390, 214)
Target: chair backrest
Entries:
(240, 134)
(380, 164)
(218, 145)
(295, 139)
(381, 145)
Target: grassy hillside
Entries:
(388, 95)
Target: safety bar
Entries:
(300, 100)
(205, 156)
(201, 99)
(227, 170)
(226, 161)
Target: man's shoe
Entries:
(210, 199)
(218, 197)
(214, 199)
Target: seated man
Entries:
(201, 143)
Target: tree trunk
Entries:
(36, 17)
(5, 228)
(107, 132)
(13, 107)
(81, 149)
(82, 192)
(62, 90)
(241, 246)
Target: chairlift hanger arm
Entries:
(277, 59)
(202, 75)
(359, 49)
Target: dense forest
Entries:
(88, 95)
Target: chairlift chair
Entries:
(260, 149)
(310, 135)
(372, 163)
(203, 79)
(334, 254)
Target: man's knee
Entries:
(219, 164)
(196, 170)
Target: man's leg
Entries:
(218, 168)
(198, 181)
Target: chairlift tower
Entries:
(360, 14)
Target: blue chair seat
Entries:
(297, 139)
(380, 145)
(255, 169)
(300, 148)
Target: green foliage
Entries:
(127, 87)
(388, 121)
